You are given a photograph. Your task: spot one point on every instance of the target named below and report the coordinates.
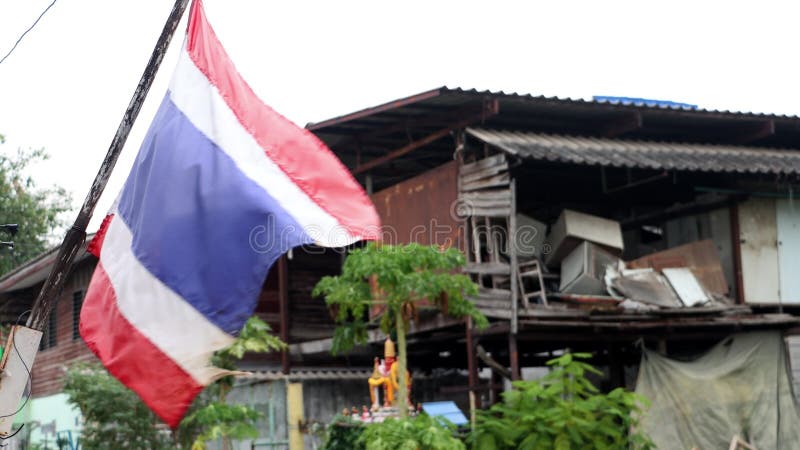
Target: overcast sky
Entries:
(68, 83)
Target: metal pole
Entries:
(47, 300)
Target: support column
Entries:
(513, 356)
(513, 353)
(472, 368)
(283, 302)
(295, 415)
(736, 245)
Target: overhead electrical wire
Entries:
(27, 31)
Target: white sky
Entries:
(67, 84)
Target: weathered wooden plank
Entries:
(496, 313)
(490, 212)
(499, 180)
(491, 304)
(499, 294)
(484, 163)
(498, 195)
(484, 173)
(493, 268)
(486, 204)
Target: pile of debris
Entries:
(587, 249)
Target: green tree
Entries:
(399, 278)
(562, 411)
(36, 210)
(115, 417)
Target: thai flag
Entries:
(222, 186)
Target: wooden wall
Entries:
(49, 367)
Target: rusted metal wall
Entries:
(421, 209)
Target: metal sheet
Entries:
(701, 257)
(448, 410)
(642, 154)
(16, 365)
(788, 226)
(686, 286)
(758, 236)
(421, 209)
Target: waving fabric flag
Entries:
(222, 186)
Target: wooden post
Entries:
(736, 244)
(472, 369)
(512, 336)
(295, 415)
(283, 300)
(513, 356)
(75, 236)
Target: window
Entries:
(49, 335)
(77, 303)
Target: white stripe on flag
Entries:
(202, 103)
(166, 319)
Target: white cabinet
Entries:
(758, 238)
(788, 225)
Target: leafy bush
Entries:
(562, 411)
(413, 433)
(416, 433)
(343, 433)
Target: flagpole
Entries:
(76, 235)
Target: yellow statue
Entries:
(375, 382)
(384, 374)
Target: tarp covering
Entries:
(741, 387)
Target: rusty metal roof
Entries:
(642, 154)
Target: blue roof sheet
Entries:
(448, 410)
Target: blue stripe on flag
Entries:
(193, 215)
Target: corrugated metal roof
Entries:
(642, 154)
(310, 374)
(445, 95)
(314, 374)
(36, 269)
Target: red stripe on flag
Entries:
(305, 159)
(128, 355)
(96, 243)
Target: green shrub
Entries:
(562, 411)
(413, 433)
(343, 434)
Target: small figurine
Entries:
(366, 416)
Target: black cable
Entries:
(26, 31)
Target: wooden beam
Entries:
(736, 246)
(491, 109)
(491, 362)
(440, 119)
(680, 210)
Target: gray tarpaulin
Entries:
(740, 387)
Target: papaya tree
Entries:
(398, 279)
